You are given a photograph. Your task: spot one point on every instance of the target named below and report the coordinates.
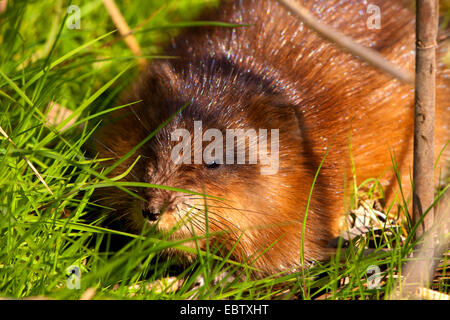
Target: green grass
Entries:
(47, 180)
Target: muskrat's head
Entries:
(234, 147)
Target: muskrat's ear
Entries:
(156, 84)
(154, 91)
(274, 111)
(148, 98)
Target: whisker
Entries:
(187, 227)
(227, 206)
(201, 225)
(140, 120)
(224, 221)
(194, 219)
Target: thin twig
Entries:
(124, 30)
(366, 54)
(3, 5)
(136, 28)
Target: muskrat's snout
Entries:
(151, 213)
(159, 202)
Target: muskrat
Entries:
(273, 73)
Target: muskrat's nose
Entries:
(151, 213)
(153, 210)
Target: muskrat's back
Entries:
(275, 73)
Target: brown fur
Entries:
(275, 74)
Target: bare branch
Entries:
(427, 17)
(124, 30)
(3, 5)
(366, 54)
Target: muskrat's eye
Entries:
(212, 165)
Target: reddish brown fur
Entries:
(276, 74)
